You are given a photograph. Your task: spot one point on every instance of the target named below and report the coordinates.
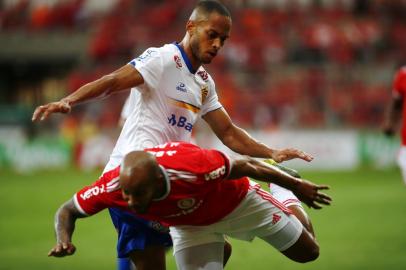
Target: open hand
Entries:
(42, 112)
(290, 153)
(310, 194)
(62, 250)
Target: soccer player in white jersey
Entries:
(172, 90)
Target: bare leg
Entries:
(151, 258)
(302, 216)
(304, 249)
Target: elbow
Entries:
(110, 83)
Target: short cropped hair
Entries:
(210, 6)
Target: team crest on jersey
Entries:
(178, 61)
(203, 74)
(186, 203)
(204, 91)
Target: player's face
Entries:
(138, 196)
(209, 37)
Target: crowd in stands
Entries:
(288, 64)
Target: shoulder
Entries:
(206, 77)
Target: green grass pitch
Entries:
(365, 228)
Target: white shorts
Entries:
(258, 215)
(284, 195)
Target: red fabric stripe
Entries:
(266, 196)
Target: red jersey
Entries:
(399, 88)
(198, 193)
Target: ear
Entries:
(190, 27)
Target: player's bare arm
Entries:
(65, 219)
(241, 142)
(394, 114)
(306, 191)
(124, 78)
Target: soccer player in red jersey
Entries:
(171, 90)
(397, 112)
(202, 195)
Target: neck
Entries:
(185, 44)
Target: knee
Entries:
(309, 255)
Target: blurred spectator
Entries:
(297, 63)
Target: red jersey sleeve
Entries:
(399, 83)
(102, 194)
(217, 165)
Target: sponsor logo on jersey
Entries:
(111, 186)
(180, 122)
(217, 173)
(186, 203)
(178, 61)
(181, 87)
(203, 74)
(204, 91)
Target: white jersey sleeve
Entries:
(211, 102)
(149, 64)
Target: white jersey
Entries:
(167, 105)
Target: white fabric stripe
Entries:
(182, 175)
(77, 205)
(113, 188)
(179, 172)
(113, 181)
(186, 176)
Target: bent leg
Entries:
(150, 258)
(206, 256)
(303, 217)
(294, 241)
(306, 249)
(289, 199)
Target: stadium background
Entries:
(312, 74)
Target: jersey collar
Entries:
(167, 184)
(185, 58)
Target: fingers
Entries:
(42, 112)
(323, 199)
(38, 112)
(305, 156)
(321, 187)
(319, 200)
(62, 249)
(291, 153)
